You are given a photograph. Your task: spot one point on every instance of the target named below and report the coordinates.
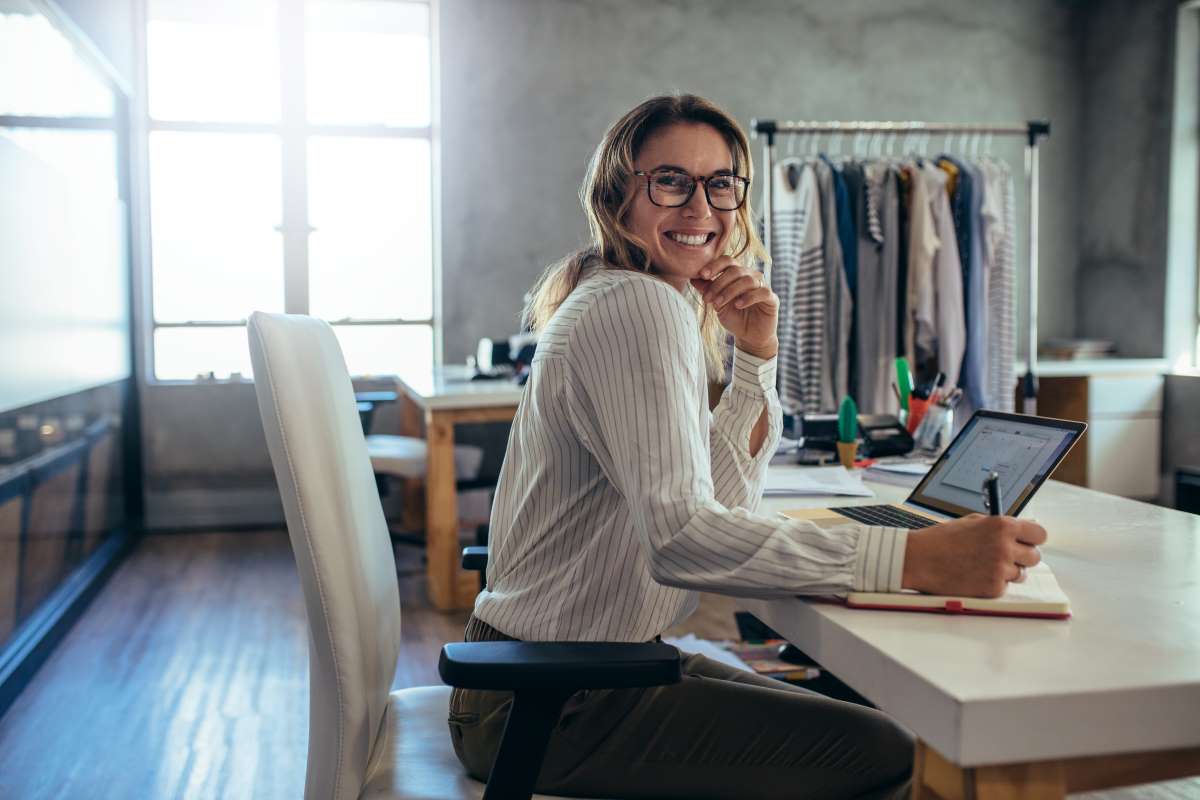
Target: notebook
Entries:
(1039, 595)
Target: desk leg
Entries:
(412, 491)
(935, 778)
(449, 586)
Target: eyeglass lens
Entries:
(725, 192)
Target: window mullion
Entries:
(294, 225)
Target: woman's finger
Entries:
(755, 296)
(736, 287)
(1026, 556)
(718, 265)
(722, 281)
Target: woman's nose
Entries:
(697, 206)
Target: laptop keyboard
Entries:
(885, 515)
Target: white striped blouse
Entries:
(621, 494)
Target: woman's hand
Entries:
(975, 556)
(744, 304)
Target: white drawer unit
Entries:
(1121, 452)
(1123, 455)
(1131, 396)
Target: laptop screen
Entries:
(1022, 450)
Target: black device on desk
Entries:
(882, 434)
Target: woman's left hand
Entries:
(745, 305)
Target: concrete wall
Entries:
(1127, 64)
(529, 86)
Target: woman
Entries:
(621, 495)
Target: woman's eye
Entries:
(721, 184)
(672, 181)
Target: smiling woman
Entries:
(623, 221)
(621, 495)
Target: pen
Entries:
(993, 494)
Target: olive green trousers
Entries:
(718, 733)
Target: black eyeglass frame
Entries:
(696, 180)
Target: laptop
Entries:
(1023, 450)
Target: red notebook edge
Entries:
(954, 607)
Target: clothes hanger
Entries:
(791, 164)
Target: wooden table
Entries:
(1008, 708)
(447, 396)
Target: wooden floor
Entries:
(187, 678)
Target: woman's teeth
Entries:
(694, 241)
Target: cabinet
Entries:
(1121, 451)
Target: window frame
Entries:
(293, 132)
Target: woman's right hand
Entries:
(975, 556)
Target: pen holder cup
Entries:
(916, 411)
(846, 453)
(936, 429)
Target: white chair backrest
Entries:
(340, 540)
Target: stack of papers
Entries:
(798, 481)
(901, 473)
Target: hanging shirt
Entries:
(920, 329)
(849, 232)
(878, 253)
(838, 302)
(902, 231)
(999, 215)
(967, 206)
(947, 280)
(622, 495)
(798, 278)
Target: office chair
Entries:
(364, 741)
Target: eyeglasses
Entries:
(672, 189)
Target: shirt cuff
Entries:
(753, 374)
(880, 559)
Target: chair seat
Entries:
(405, 456)
(417, 761)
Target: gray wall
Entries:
(529, 86)
(1128, 65)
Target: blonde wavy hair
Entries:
(606, 196)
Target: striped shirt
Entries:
(1001, 290)
(798, 278)
(622, 495)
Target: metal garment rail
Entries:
(1032, 130)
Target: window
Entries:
(293, 173)
(64, 299)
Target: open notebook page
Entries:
(1038, 595)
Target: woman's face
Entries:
(681, 240)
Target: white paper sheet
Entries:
(704, 647)
(902, 468)
(782, 481)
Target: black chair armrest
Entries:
(475, 483)
(570, 666)
(475, 558)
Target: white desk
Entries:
(447, 396)
(1015, 707)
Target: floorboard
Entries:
(187, 678)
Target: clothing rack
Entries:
(1032, 130)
